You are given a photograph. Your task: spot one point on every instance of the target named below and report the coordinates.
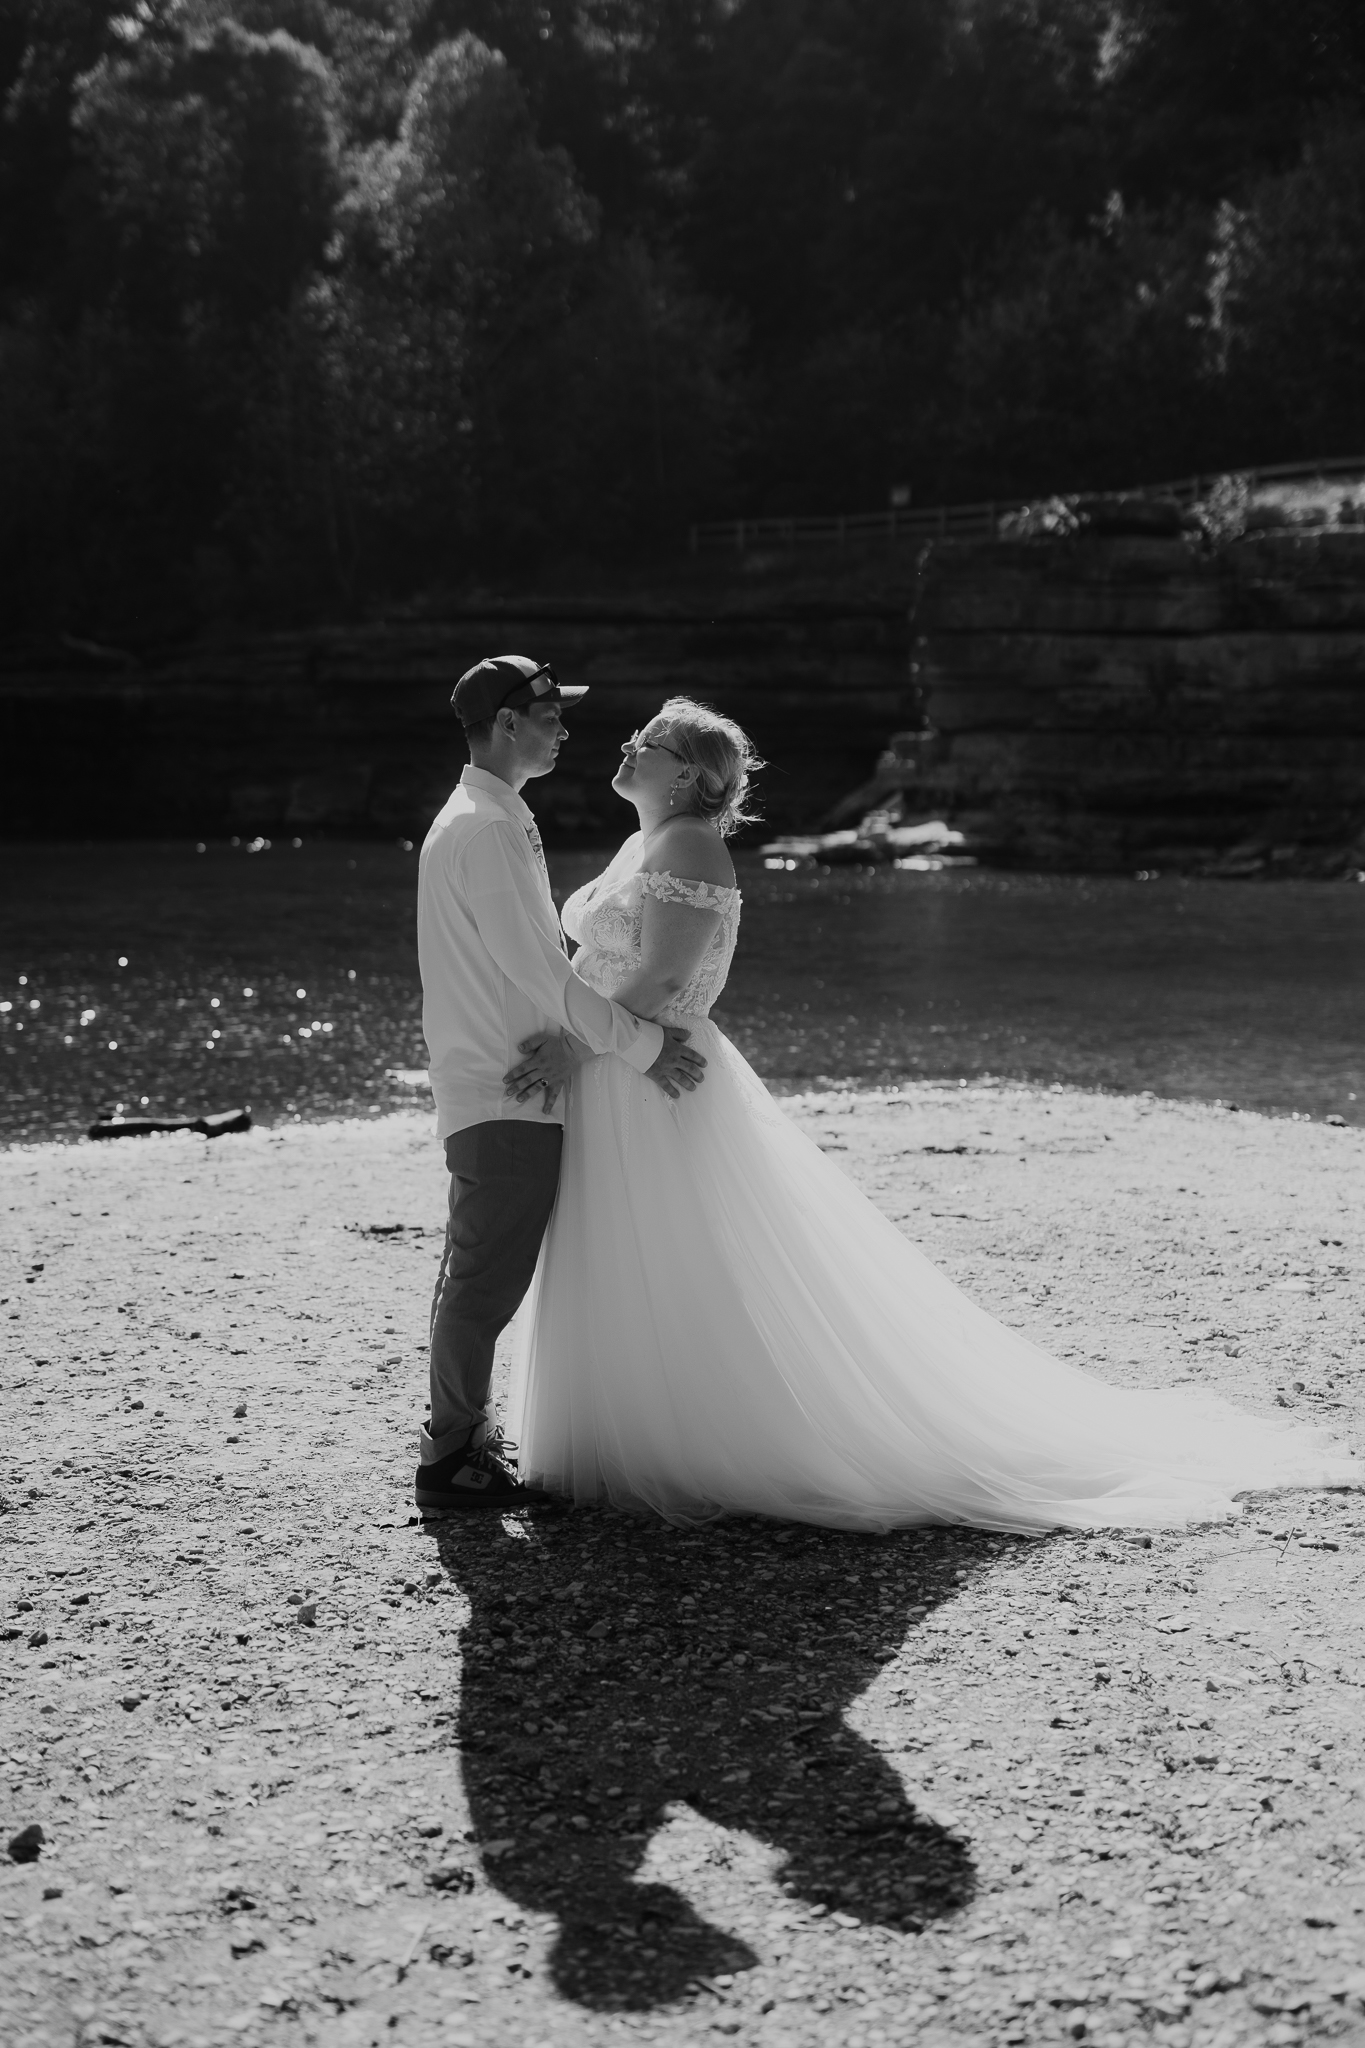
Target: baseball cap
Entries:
(511, 679)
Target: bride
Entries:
(721, 1323)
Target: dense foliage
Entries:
(308, 301)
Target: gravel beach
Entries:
(306, 1770)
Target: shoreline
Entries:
(792, 1091)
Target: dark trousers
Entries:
(503, 1178)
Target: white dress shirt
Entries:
(494, 969)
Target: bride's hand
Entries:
(549, 1064)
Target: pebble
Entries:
(26, 1846)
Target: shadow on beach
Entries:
(594, 1702)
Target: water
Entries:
(1246, 993)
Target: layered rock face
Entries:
(1104, 702)
(1092, 702)
(349, 729)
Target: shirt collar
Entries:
(502, 792)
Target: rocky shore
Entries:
(307, 1771)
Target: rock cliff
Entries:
(349, 729)
(1111, 701)
(1098, 701)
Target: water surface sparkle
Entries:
(288, 981)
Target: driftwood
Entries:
(217, 1125)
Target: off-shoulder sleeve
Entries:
(676, 889)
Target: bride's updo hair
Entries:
(723, 755)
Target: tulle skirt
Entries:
(721, 1322)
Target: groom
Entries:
(495, 973)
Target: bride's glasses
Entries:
(637, 744)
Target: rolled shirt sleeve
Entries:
(506, 895)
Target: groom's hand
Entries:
(677, 1066)
(549, 1065)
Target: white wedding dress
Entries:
(721, 1323)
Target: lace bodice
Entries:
(605, 916)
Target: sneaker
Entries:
(470, 1479)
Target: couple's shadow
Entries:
(594, 1702)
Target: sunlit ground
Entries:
(157, 977)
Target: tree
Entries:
(212, 173)
(1080, 364)
(622, 86)
(372, 292)
(1204, 96)
(579, 386)
(200, 198)
(463, 242)
(46, 46)
(1288, 326)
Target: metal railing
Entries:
(924, 522)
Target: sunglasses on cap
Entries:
(543, 683)
(544, 687)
